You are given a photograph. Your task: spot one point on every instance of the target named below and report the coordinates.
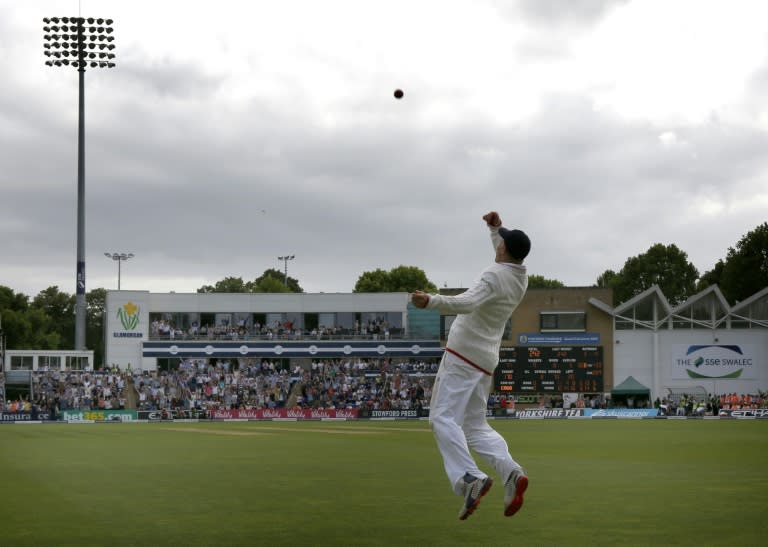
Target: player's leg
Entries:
(454, 384)
(492, 447)
(481, 437)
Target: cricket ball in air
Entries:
(399, 93)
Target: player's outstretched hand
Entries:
(492, 219)
(420, 299)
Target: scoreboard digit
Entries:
(550, 369)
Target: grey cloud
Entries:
(186, 193)
(558, 12)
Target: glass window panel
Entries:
(563, 321)
(681, 323)
(243, 320)
(758, 310)
(624, 324)
(346, 320)
(644, 310)
(74, 362)
(395, 319)
(327, 320)
(274, 320)
(571, 321)
(548, 321)
(21, 362)
(49, 362)
(223, 319)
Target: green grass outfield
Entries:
(592, 482)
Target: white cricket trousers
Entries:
(457, 418)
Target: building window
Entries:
(563, 321)
(76, 362)
(49, 362)
(21, 362)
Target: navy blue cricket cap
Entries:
(517, 242)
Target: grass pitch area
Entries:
(593, 482)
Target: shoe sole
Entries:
(483, 492)
(517, 502)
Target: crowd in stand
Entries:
(735, 401)
(373, 328)
(201, 385)
(54, 390)
(376, 386)
(711, 405)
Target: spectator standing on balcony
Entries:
(463, 382)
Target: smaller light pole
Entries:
(285, 259)
(119, 258)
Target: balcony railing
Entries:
(392, 334)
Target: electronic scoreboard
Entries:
(555, 369)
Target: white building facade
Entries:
(142, 327)
(702, 345)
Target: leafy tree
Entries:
(399, 279)
(228, 284)
(607, 279)
(48, 322)
(262, 283)
(270, 281)
(540, 282)
(745, 270)
(374, 281)
(10, 300)
(272, 285)
(13, 328)
(665, 266)
(60, 308)
(94, 330)
(29, 329)
(712, 277)
(27, 326)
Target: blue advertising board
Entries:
(559, 338)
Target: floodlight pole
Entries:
(119, 258)
(285, 259)
(80, 305)
(58, 48)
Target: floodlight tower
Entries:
(285, 259)
(119, 258)
(79, 42)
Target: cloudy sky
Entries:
(231, 133)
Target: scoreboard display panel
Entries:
(553, 369)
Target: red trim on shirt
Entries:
(467, 361)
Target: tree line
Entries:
(47, 321)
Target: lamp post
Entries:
(119, 258)
(77, 46)
(285, 259)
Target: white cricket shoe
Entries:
(474, 489)
(514, 488)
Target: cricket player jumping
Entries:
(463, 382)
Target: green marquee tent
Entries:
(631, 393)
(630, 386)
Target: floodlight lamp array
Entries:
(79, 42)
(119, 256)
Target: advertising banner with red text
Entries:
(284, 414)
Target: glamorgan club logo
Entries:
(128, 315)
(714, 361)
